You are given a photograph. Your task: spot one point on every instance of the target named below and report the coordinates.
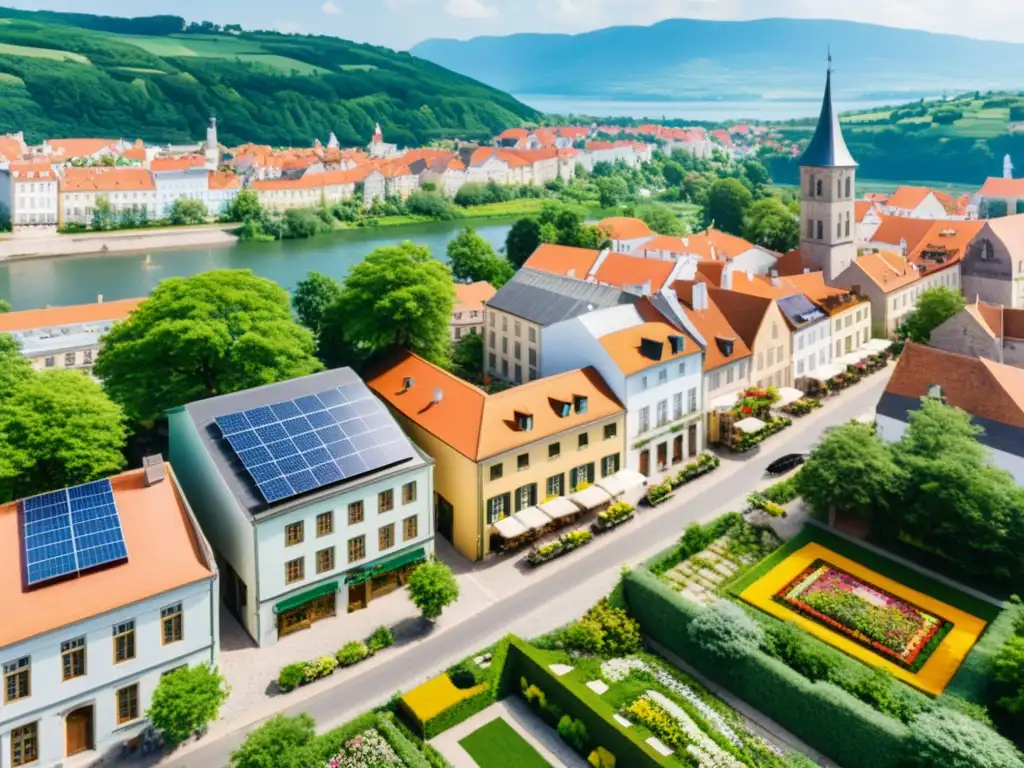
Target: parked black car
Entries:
(786, 463)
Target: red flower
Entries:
(746, 409)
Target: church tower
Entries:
(828, 188)
(212, 147)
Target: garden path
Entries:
(523, 721)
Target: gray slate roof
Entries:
(204, 412)
(545, 299)
(828, 147)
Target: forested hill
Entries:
(70, 74)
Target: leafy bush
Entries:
(352, 653)
(406, 750)
(431, 204)
(601, 758)
(726, 631)
(782, 492)
(621, 632)
(574, 733)
(185, 701)
(656, 494)
(950, 739)
(291, 677)
(380, 639)
(314, 670)
(583, 637)
(463, 675)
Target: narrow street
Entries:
(554, 594)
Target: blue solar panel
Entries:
(73, 530)
(297, 445)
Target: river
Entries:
(41, 282)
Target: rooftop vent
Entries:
(524, 421)
(438, 395)
(651, 349)
(407, 382)
(153, 467)
(725, 345)
(677, 343)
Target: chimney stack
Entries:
(153, 467)
(700, 297)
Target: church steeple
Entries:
(828, 147)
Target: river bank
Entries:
(31, 246)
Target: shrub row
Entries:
(406, 749)
(694, 540)
(973, 680)
(305, 672)
(822, 714)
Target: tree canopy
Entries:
(185, 211)
(281, 742)
(934, 307)
(311, 298)
(185, 701)
(728, 201)
(398, 297)
(661, 219)
(432, 586)
(197, 337)
(468, 358)
(769, 223)
(57, 428)
(472, 259)
(522, 240)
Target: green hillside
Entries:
(960, 140)
(160, 79)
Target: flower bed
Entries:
(801, 407)
(306, 672)
(760, 501)
(658, 494)
(367, 750)
(903, 633)
(564, 545)
(669, 722)
(615, 515)
(745, 441)
(705, 463)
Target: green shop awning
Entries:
(327, 588)
(384, 566)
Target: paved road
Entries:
(552, 597)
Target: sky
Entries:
(400, 24)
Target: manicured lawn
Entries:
(497, 745)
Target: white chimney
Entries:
(775, 281)
(775, 273)
(646, 288)
(438, 395)
(807, 270)
(99, 299)
(727, 279)
(700, 296)
(570, 273)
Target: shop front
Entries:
(381, 577)
(301, 611)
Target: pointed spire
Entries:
(828, 148)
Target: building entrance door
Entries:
(645, 463)
(356, 597)
(78, 725)
(444, 517)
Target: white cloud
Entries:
(330, 8)
(470, 9)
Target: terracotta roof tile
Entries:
(183, 163)
(625, 346)
(713, 326)
(471, 295)
(223, 180)
(981, 387)
(70, 148)
(163, 554)
(563, 259)
(907, 197)
(667, 243)
(743, 312)
(888, 270)
(999, 187)
(621, 269)
(625, 228)
(313, 180)
(480, 426)
(106, 180)
(56, 317)
(715, 244)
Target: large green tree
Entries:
(472, 258)
(728, 201)
(468, 358)
(398, 297)
(245, 206)
(185, 211)
(851, 470)
(770, 223)
(934, 307)
(196, 337)
(661, 219)
(185, 701)
(311, 298)
(57, 428)
(281, 742)
(432, 586)
(522, 240)
(611, 191)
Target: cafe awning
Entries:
(591, 498)
(327, 588)
(875, 346)
(853, 358)
(826, 371)
(558, 508)
(532, 518)
(724, 403)
(750, 425)
(622, 482)
(510, 528)
(384, 566)
(788, 395)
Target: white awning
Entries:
(510, 528)
(590, 498)
(621, 482)
(532, 518)
(724, 402)
(826, 371)
(788, 395)
(750, 425)
(851, 359)
(874, 346)
(558, 508)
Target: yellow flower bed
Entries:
(435, 696)
(936, 673)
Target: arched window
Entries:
(817, 188)
(849, 186)
(821, 230)
(847, 224)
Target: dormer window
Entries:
(580, 403)
(676, 343)
(524, 421)
(565, 410)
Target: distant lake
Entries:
(712, 111)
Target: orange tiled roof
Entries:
(11, 149)
(163, 554)
(480, 426)
(667, 243)
(562, 259)
(624, 347)
(983, 388)
(56, 317)
(69, 148)
(313, 180)
(710, 272)
(32, 170)
(893, 229)
(107, 180)
(744, 313)
(621, 269)
(223, 180)
(712, 325)
(473, 295)
(517, 134)
(182, 163)
(998, 187)
(861, 208)
(715, 244)
(888, 270)
(625, 228)
(999, 321)
(907, 197)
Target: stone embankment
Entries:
(30, 246)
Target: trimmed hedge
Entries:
(822, 714)
(407, 750)
(972, 680)
(584, 705)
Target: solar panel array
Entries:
(71, 531)
(296, 446)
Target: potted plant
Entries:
(617, 514)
